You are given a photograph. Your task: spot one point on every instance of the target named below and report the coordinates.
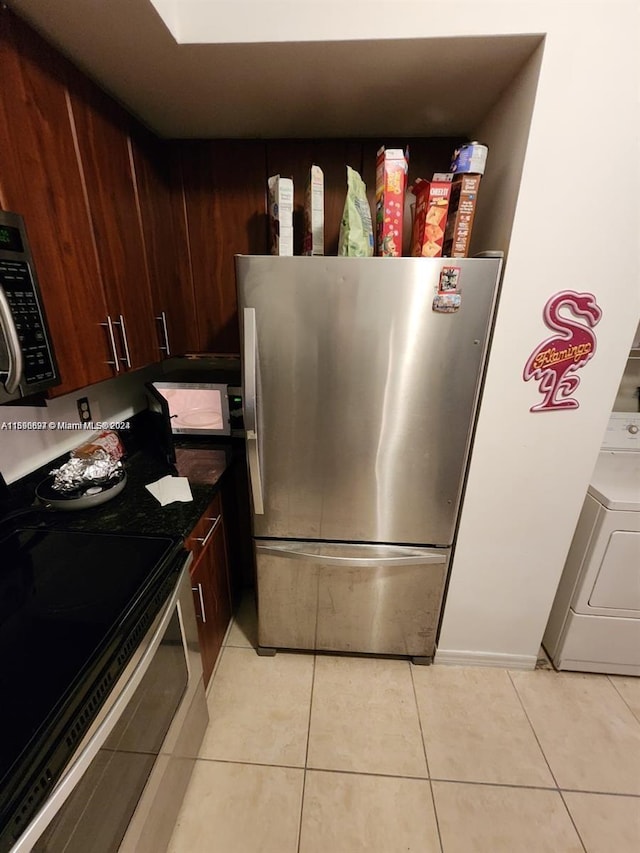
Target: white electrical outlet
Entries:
(83, 410)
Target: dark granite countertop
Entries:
(135, 510)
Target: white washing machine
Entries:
(594, 624)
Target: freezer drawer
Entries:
(375, 599)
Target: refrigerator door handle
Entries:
(297, 552)
(250, 407)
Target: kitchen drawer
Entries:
(203, 530)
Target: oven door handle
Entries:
(80, 763)
(15, 368)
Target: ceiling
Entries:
(408, 87)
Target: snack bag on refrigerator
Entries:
(356, 229)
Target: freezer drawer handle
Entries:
(250, 406)
(333, 560)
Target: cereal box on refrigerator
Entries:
(281, 215)
(313, 243)
(391, 181)
(462, 210)
(430, 217)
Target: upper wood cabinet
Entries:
(158, 181)
(134, 237)
(224, 186)
(66, 165)
(102, 134)
(41, 180)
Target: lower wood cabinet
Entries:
(210, 583)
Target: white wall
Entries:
(24, 450)
(505, 130)
(530, 471)
(575, 226)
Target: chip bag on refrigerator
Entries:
(356, 229)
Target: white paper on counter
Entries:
(169, 489)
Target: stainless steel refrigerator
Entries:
(360, 396)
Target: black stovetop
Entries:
(68, 601)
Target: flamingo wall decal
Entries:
(555, 361)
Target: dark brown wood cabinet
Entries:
(40, 179)
(158, 181)
(210, 583)
(205, 607)
(102, 132)
(66, 166)
(224, 185)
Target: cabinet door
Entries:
(210, 583)
(205, 605)
(101, 128)
(161, 199)
(220, 575)
(40, 179)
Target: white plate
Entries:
(199, 418)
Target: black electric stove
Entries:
(72, 605)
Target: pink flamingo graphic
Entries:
(554, 362)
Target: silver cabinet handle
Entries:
(205, 539)
(15, 368)
(198, 589)
(163, 320)
(112, 339)
(250, 407)
(127, 356)
(300, 551)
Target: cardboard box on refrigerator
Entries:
(281, 215)
(462, 210)
(391, 182)
(313, 243)
(430, 217)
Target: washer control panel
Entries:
(623, 432)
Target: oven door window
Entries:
(96, 815)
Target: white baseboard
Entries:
(454, 657)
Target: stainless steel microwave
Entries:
(27, 361)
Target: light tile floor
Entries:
(329, 754)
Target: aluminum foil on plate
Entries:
(79, 473)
